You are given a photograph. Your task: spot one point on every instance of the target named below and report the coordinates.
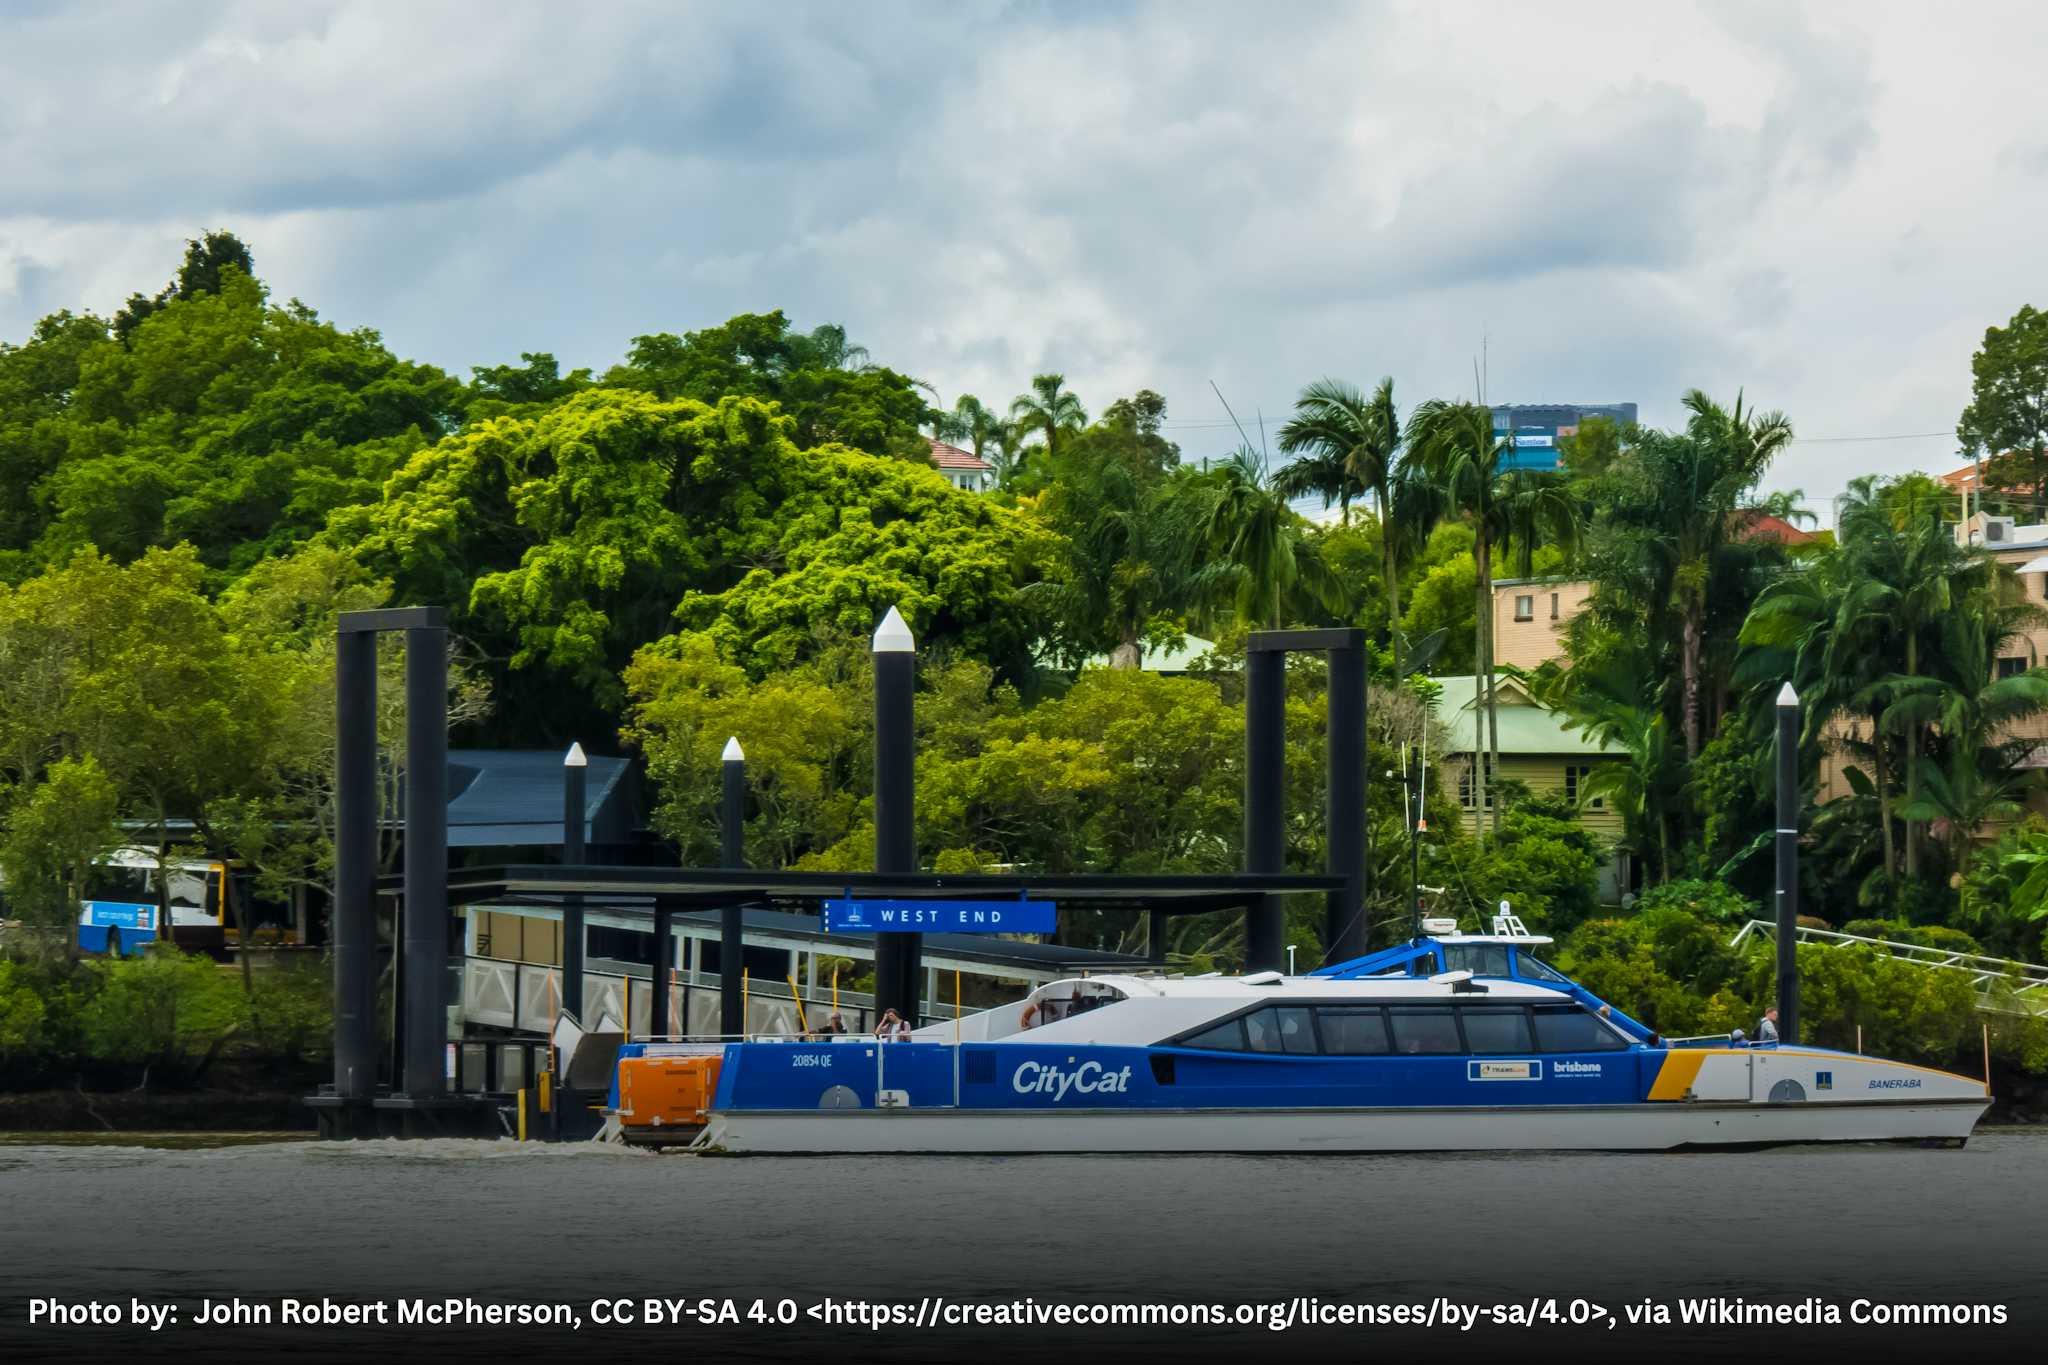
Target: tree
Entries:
(1973, 777)
(206, 259)
(819, 379)
(55, 829)
(1617, 704)
(1346, 442)
(1125, 572)
(1258, 554)
(223, 420)
(2008, 410)
(1454, 446)
(1049, 410)
(569, 539)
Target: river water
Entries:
(172, 1225)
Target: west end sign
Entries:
(846, 915)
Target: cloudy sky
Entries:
(1824, 206)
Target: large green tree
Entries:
(2008, 411)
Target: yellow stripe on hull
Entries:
(1675, 1078)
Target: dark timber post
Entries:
(1265, 798)
(1155, 935)
(732, 851)
(659, 1024)
(1344, 934)
(426, 860)
(353, 918)
(575, 805)
(1788, 865)
(896, 955)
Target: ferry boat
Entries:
(1451, 1042)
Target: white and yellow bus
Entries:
(127, 891)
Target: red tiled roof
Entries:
(1764, 525)
(953, 457)
(1966, 477)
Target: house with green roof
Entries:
(1535, 749)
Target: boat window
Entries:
(1227, 1036)
(1353, 1032)
(1262, 1031)
(1480, 959)
(1568, 1028)
(1535, 968)
(1297, 1029)
(1497, 1028)
(1424, 1028)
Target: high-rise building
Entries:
(1538, 427)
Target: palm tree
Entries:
(1973, 777)
(1617, 704)
(1345, 443)
(1128, 561)
(1537, 508)
(1455, 447)
(970, 421)
(1705, 479)
(1050, 409)
(1260, 557)
(1829, 631)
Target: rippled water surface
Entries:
(182, 1219)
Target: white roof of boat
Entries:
(1303, 987)
(1523, 939)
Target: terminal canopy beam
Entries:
(1185, 895)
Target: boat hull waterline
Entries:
(1645, 1128)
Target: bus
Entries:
(124, 892)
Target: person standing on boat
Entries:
(893, 1028)
(1767, 1027)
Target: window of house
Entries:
(1576, 776)
(1553, 606)
(2012, 666)
(1465, 795)
(1525, 608)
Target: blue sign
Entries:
(118, 915)
(940, 917)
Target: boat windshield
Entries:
(1480, 959)
(1534, 968)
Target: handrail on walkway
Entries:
(2025, 983)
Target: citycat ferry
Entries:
(1452, 1042)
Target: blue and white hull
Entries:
(1401, 1052)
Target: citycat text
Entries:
(1090, 1078)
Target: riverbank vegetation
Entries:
(696, 541)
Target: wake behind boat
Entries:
(1451, 1042)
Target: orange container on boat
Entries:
(666, 1092)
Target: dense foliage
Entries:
(694, 543)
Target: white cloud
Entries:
(1825, 207)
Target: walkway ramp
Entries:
(2003, 986)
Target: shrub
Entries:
(166, 1010)
(1712, 901)
(1922, 935)
(21, 1015)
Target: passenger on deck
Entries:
(834, 1025)
(885, 1028)
(1029, 1018)
(1767, 1027)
